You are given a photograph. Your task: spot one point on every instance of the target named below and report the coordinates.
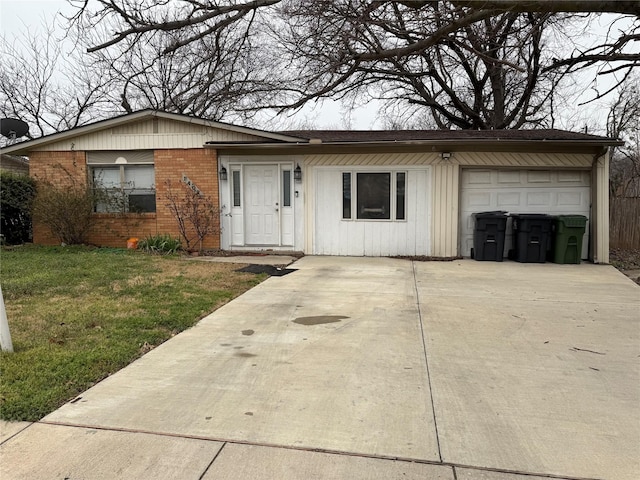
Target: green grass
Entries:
(79, 314)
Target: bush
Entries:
(66, 206)
(160, 244)
(197, 215)
(16, 197)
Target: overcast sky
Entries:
(18, 15)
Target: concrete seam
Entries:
(16, 434)
(426, 360)
(215, 457)
(316, 450)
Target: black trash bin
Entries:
(488, 236)
(531, 237)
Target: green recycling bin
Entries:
(568, 230)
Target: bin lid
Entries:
(496, 213)
(572, 220)
(531, 216)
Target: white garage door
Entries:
(371, 211)
(552, 192)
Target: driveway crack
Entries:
(215, 457)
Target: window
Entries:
(378, 196)
(127, 180)
(374, 201)
(346, 195)
(400, 204)
(286, 188)
(235, 180)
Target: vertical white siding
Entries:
(337, 236)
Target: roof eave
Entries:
(434, 143)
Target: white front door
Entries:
(261, 205)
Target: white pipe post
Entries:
(5, 335)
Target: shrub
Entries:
(66, 210)
(16, 197)
(66, 206)
(195, 213)
(160, 244)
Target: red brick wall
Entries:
(200, 166)
(62, 168)
(113, 230)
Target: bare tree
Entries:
(623, 122)
(48, 88)
(186, 57)
(469, 64)
(487, 74)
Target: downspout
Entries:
(594, 224)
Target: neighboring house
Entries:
(373, 193)
(12, 163)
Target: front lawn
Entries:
(79, 314)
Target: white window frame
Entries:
(393, 194)
(122, 160)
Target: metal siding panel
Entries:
(138, 136)
(601, 213)
(373, 159)
(523, 159)
(445, 233)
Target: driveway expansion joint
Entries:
(426, 359)
(225, 442)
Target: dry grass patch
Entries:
(78, 315)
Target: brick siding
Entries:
(113, 230)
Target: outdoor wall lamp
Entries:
(297, 174)
(445, 155)
(223, 173)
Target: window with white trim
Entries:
(235, 185)
(376, 195)
(126, 181)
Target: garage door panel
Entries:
(539, 199)
(509, 199)
(573, 199)
(571, 177)
(479, 199)
(508, 176)
(539, 176)
(521, 191)
(480, 177)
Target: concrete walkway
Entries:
(371, 368)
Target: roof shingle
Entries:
(331, 136)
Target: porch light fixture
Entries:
(223, 173)
(445, 155)
(297, 174)
(121, 160)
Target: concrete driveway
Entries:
(372, 368)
